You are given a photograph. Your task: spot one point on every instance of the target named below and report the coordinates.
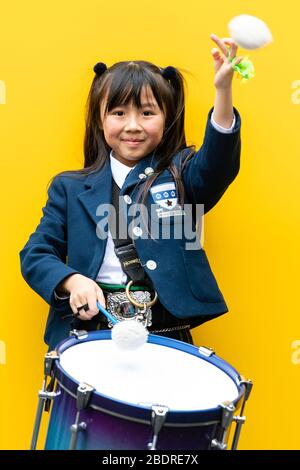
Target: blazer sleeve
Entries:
(43, 258)
(209, 172)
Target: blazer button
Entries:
(127, 199)
(148, 171)
(151, 264)
(137, 231)
(142, 176)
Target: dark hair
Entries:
(123, 83)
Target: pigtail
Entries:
(94, 143)
(176, 83)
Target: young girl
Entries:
(136, 157)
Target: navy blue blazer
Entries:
(68, 239)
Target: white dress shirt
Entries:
(111, 271)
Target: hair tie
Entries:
(169, 72)
(100, 68)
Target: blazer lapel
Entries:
(99, 185)
(99, 188)
(133, 177)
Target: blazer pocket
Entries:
(201, 279)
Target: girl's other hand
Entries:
(83, 290)
(222, 65)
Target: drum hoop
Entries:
(141, 413)
(137, 420)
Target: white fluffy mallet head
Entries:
(249, 32)
(129, 335)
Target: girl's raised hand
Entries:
(222, 65)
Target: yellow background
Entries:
(251, 236)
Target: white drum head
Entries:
(153, 374)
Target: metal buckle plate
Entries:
(122, 309)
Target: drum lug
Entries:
(49, 359)
(248, 385)
(84, 392)
(239, 420)
(205, 351)
(158, 417)
(219, 443)
(45, 395)
(79, 334)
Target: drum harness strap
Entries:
(127, 305)
(124, 247)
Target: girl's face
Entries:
(132, 133)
